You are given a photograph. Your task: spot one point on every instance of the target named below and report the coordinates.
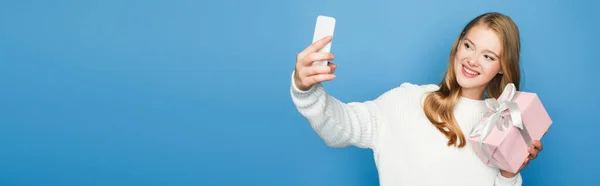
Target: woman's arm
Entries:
(339, 124)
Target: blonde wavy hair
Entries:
(439, 105)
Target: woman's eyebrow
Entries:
(486, 50)
(466, 38)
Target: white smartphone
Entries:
(324, 27)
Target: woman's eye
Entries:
(467, 46)
(488, 57)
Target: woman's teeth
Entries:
(470, 72)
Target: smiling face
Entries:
(477, 59)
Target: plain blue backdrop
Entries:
(181, 92)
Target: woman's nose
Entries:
(472, 60)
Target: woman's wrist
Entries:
(507, 174)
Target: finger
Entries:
(532, 153)
(538, 145)
(321, 78)
(333, 66)
(317, 56)
(316, 70)
(317, 45)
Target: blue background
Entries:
(197, 92)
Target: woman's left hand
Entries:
(533, 153)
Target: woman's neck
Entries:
(472, 93)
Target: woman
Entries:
(417, 132)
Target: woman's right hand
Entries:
(307, 75)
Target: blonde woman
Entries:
(417, 132)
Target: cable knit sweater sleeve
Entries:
(514, 181)
(339, 124)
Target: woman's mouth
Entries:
(468, 72)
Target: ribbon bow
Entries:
(497, 117)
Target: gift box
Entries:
(505, 132)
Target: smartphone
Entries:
(324, 27)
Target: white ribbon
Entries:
(496, 117)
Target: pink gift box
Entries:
(507, 147)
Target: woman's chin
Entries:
(466, 83)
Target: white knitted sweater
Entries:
(408, 149)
